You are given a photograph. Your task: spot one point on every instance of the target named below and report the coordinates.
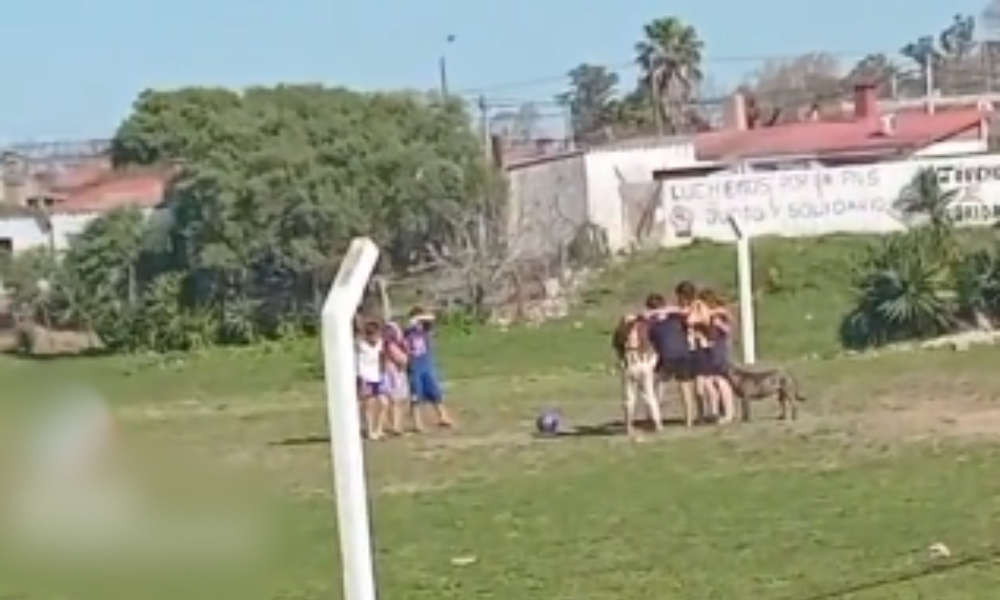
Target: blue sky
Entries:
(74, 66)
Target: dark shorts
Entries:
(680, 367)
(710, 362)
(372, 389)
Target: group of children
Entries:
(397, 374)
(692, 337)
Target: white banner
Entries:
(802, 203)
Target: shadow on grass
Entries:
(912, 575)
(60, 356)
(308, 440)
(611, 428)
(607, 429)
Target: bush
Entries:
(904, 290)
(922, 283)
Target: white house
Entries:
(624, 188)
(70, 204)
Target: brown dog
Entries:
(757, 384)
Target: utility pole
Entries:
(484, 128)
(570, 130)
(443, 69)
(443, 77)
(929, 83)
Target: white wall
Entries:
(953, 148)
(803, 203)
(610, 167)
(25, 233)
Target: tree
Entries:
(590, 99)
(878, 70)
(670, 56)
(926, 57)
(922, 283)
(958, 40)
(924, 203)
(989, 21)
(949, 58)
(269, 186)
(798, 84)
(961, 67)
(518, 125)
(923, 52)
(903, 291)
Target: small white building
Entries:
(621, 187)
(35, 214)
(612, 186)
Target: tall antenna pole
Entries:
(443, 69)
(929, 84)
(484, 127)
(443, 76)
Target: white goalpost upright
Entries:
(744, 278)
(346, 449)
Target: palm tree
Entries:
(925, 204)
(670, 58)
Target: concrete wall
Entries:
(612, 187)
(954, 147)
(622, 192)
(548, 200)
(24, 233)
(802, 203)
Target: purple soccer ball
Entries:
(548, 422)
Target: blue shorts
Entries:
(424, 386)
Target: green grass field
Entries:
(891, 454)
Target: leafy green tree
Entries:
(878, 70)
(590, 99)
(520, 125)
(27, 278)
(949, 56)
(269, 186)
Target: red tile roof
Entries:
(115, 189)
(913, 130)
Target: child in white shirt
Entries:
(372, 389)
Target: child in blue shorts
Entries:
(421, 370)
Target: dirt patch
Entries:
(922, 420)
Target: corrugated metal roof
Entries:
(912, 130)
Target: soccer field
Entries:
(891, 455)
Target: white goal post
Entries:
(744, 279)
(346, 448)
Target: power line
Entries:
(630, 65)
(981, 76)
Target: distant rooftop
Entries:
(60, 150)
